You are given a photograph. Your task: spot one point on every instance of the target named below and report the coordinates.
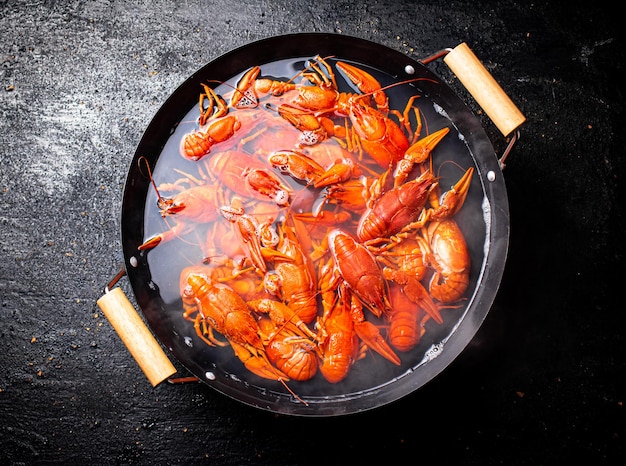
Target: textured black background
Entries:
(543, 380)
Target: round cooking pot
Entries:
(484, 220)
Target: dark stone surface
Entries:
(542, 382)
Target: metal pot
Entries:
(484, 220)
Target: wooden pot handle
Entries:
(136, 336)
(484, 88)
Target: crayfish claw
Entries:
(452, 200)
(414, 291)
(422, 149)
(371, 336)
(366, 83)
(150, 243)
(339, 172)
(244, 96)
(417, 153)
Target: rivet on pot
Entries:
(210, 375)
(408, 69)
(491, 176)
(133, 261)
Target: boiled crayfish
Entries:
(219, 308)
(194, 202)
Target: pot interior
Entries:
(372, 381)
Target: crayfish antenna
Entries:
(292, 392)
